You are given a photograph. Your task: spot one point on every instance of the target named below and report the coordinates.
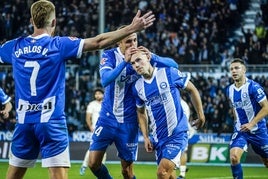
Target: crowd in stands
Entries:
(191, 32)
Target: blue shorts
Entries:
(171, 148)
(258, 141)
(49, 138)
(124, 136)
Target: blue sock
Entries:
(102, 173)
(134, 177)
(237, 171)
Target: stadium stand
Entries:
(198, 34)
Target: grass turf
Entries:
(145, 171)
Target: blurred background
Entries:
(201, 35)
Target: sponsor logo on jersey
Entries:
(35, 107)
(73, 38)
(103, 60)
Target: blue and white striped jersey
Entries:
(119, 102)
(39, 73)
(161, 97)
(245, 102)
(4, 98)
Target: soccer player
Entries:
(250, 107)
(118, 122)
(157, 95)
(92, 115)
(6, 104)
(38, 62)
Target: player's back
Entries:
(39, 74)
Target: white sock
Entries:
(183, 170)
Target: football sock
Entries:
(237, 171)
(182, 170)
(102, 173)
(134, 177)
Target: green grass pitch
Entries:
(147, 171)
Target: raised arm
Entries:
(163, 61)
(104, 40)
(109, 75)
(158, 60)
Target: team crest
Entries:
(103, 60)
(244, 95)
(163, 85)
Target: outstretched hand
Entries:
(140, 23)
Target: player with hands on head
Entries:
(38, 62)
(118, 117)
(158, 99)
(250, 107)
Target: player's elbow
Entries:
(104, 83)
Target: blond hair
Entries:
(42, 13)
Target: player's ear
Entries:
(53, 23)
(31, 20)
(149, 56)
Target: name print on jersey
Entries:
(31, 49)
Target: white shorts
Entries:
(60, 160)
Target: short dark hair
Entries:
(238, 60)
(99, 90)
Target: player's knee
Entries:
(162, 173)
(234, 159)
(265, 162)
(126, 172)
(93, 165)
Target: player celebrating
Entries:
(38, 63)
(118, 117)
(250, 106)
(158, 92)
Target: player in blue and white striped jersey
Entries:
(38, 62)
(6, 104)
(250, 107)
(118, 117)
(157, 95)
